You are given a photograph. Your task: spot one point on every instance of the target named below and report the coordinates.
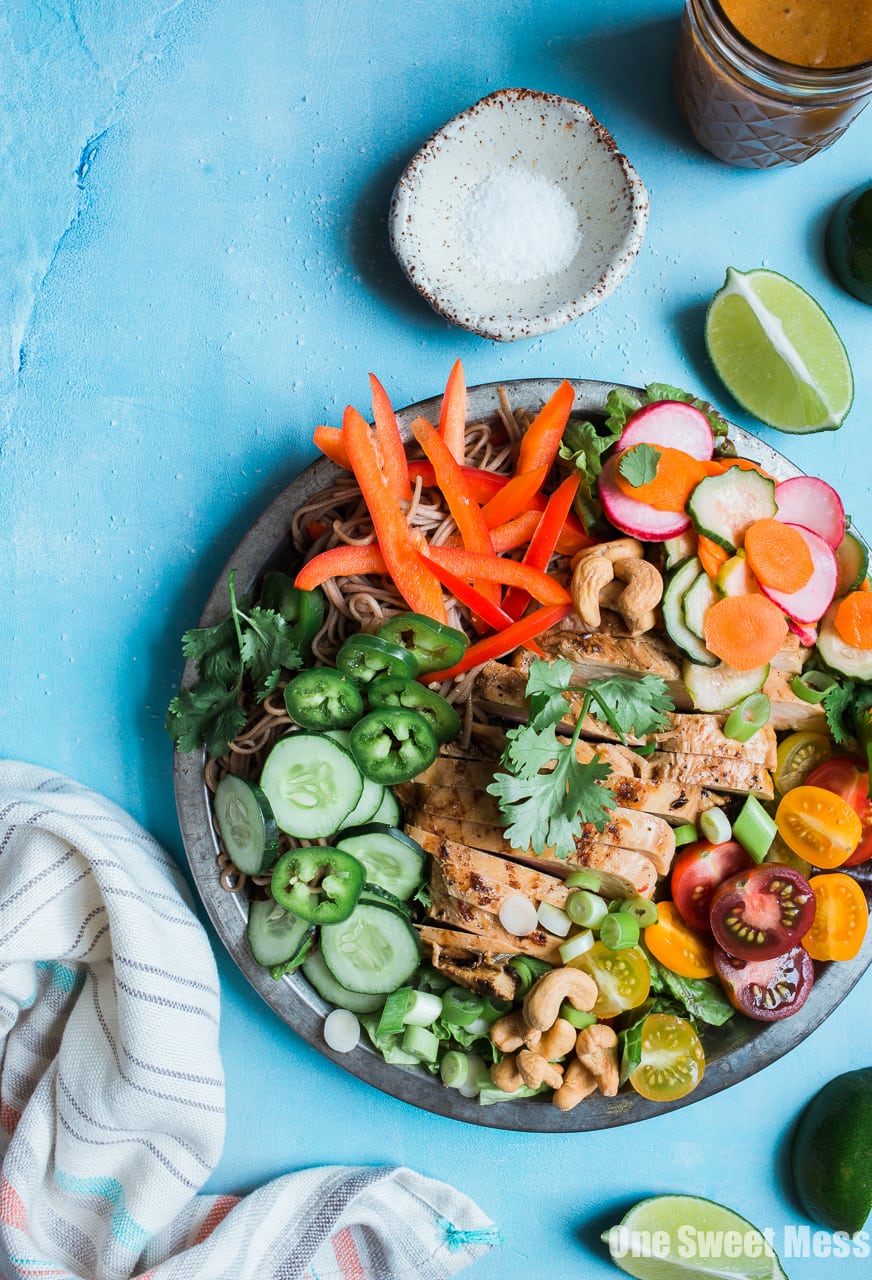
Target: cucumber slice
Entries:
(374, 951)
(679, 582)
(677, 550)
(735, 577)
(389, 812)
(312, 784)
(696, 602)
(392, 859)
(276, 936)
(368, 805)
(382, 898)
(720, 688)
(316, 972)
(852, 561)
(247, 825)
(722, 507)
(843, 658)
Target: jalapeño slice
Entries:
(392, 745)
(399, 691)
(302, 610)
(322, 698)
(364, 658)
(318, 884)
(434, 645)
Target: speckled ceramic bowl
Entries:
(540, 134)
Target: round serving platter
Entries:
(733, 1052)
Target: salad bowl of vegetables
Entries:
(520, 752)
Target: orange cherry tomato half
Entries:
(818, 825)
(840, 918)
(848, 779)
(678, 947)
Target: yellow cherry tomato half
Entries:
(798, 754)
(678, 947)
(818, 825)
(840, 918)
(673, 1061)
(623, 978)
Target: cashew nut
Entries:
(557, 1042)
(577, 1085)
(506, 1076)
(597, 1051)
(543, 1000)
(588, 579)
(643, 592)
(617, 549)
(536, 1070)
(511, 1032)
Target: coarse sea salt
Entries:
(516, 225)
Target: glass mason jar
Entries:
(749, 108)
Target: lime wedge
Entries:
(688, 1238)
(777, 352)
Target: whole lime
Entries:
(849, 243)
(830, 1153)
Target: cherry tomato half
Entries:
(818, 825)
(623, 978)
(845, 778)
(697, 872)
(763, 912)
(673, 1061)
(840, 919)
(767, 990)
(676, 946)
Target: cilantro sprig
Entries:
(546, 794)
(638, 465)
(253, 643)
(848, 708)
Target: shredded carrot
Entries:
(329, 441)
(515, 497)
(677, 475)
(452, 415)
(778, 555)
(865, 585)
(744, 631)
(853, 619)
(717, 466)
(316, 529)
(515, 533)
(541, 440)
(712, 556)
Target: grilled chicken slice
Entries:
(485, 880)
(447, 909)
(735, 777)
(788, 711)
(703, 735)
(479, 963)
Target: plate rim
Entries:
(295, 1002)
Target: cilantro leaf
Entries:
(529, 750)
(215, 650)
(582, 447)
(206, 715)
(547, 684)
(838, 707)
(548, 810)
(638, 465)
(635, 706)
(267, 644)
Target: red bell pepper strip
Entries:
(390, 441)
(514, 533)
(492, 615)
(479, 568)
(496, 646)
(515, 497)
(544, 540)
(340, 562)
(541, 440)
(400, 545)
(481, 484)
(452, 415)
(329, 441)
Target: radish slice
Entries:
(814, 504)
(807, 635)
(634, 517)
(809, 604)
(672, 424)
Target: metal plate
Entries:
(733, 1052)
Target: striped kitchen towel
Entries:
(112, 1092)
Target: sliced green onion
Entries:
(461, 1007)
(529, 969)
(685, 834)
(576, 946)
(754, 829)
(748, 717)
(584, 880)
(423, 1009)
(715, 826)
(421, 1044)
(641, 909)
(454, 1069)
(812, 686)
(554, 919)
(495, 1008)
(577, 1017)
(619, 930)
(391, 1021)
(586, 908)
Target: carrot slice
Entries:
(515, 497)
(470, 565)
(541, 440)
(496, 646)
(744, 631)
(717, 466)
(452, 415)
(390, 441)
(677, 475)
(515, 533)
(778, 555)
(329, 441)
(712, 556)
(340, 562)
(853, 619)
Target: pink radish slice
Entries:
(809, 604)
(672, 424)
(807, 635)
(634, 517)
(814, 504)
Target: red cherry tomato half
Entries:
(697, 872)
(767, 990)
(763, 912)
(845, 777)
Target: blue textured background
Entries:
(194, 272)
